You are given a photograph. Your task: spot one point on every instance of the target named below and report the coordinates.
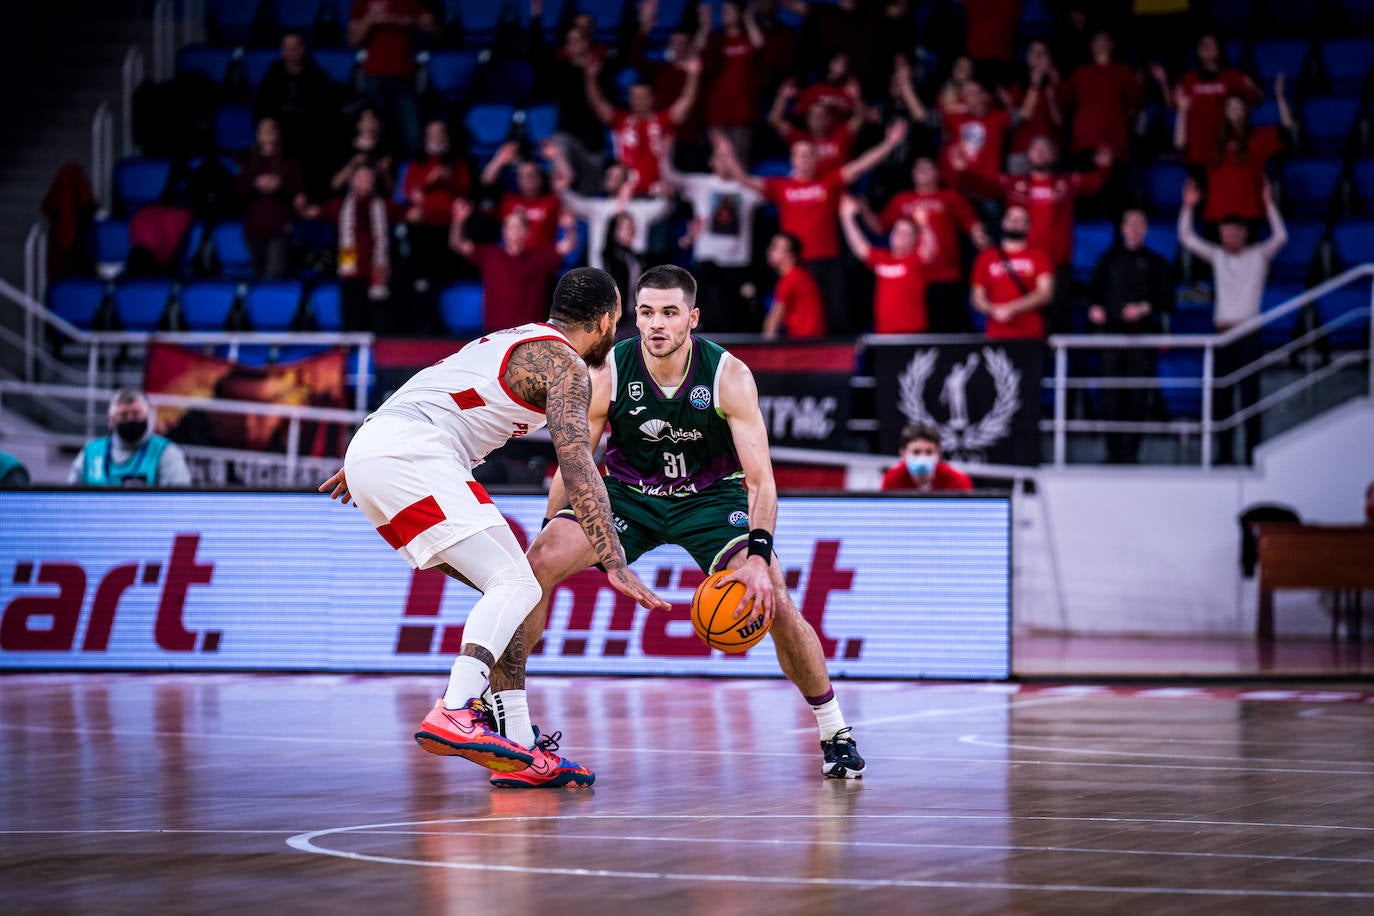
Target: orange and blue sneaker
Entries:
(470, 732)
(548, 771)
(842, 760)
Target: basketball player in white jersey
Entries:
(409, 468)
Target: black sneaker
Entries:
(842, 760)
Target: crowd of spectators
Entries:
(748, 141)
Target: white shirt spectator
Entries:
(597, 211)
(1239, 277)
(726, 211)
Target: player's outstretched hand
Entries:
(337, 487)
(758, 585)
(627, 583)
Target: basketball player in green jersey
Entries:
(686, 430)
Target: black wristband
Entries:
(761, 544)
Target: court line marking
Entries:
(947, 711)
(305, 842)
(736, 841)
(980, 741)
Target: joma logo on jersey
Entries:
(657, 430)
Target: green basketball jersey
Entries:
(668, 446)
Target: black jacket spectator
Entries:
(298, 95)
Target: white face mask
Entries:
(920, 465)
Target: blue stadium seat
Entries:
(553, 17)
(255, 355)
(1289, 17)
(1363, 174)
(297, 15)
(579, 253)
(478, 18)
(1346, 62)
(272, 304)
(190, 248)
(338, 63)
(772, 168)
(1164, 184)
(540, 122)
(461, 308)
(77, 301)
(1235, 52)
(232, 20)
(1309, 186)
(325, 306)
(1279, 332)
(207, 59)
(1192, 318)
(256, 62)
(1180, 403)
(110, 242)
(1265, 114)
(607, 14)
(1341, 302)
(669, 17)
(1354, 242)
(508, 81)
(234, 130)
(206, 306)
(292, 353)
(1280, 55)
(1090, 242)
(1163, 239)
(231, 251)
(452, 74)
(489, 126)
(1328, 124)
(1294, 260)
(140, 180)
(1036, 21)
(140, 304)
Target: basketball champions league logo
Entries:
(961, 437)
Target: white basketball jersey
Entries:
(465, 395)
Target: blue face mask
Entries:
(920, 465)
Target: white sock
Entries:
(467, 680)
(829, 718)
(512, 711)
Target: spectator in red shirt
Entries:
(270, 185)
(977, 132)
(1104, 96)
(1239, 154)
(1012, 282)
(1048, 196)
(1199, 98)
(532, 195)
(991, 32)
(1033, 105)
(826, 128)
(515, 275)
(900, 271)
(365, 218)
(728, 56)
(797, 307)
(808, 207)
(386, 29)
(942, 216)
(433, 182)
(921, 467)
(642, 135)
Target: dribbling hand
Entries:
(758, 585)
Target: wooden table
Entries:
(1334, 557)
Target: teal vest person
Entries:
(130, 455)
(100, 469)
(13, 474)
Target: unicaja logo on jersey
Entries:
(700, 398)
(657, 430)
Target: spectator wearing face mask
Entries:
(920, 467)
(131, 455)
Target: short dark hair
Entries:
(669, 276)
(794, 244)
(927, 431)
(583, 295)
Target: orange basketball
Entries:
(713, 616)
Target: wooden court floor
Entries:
(284, 794)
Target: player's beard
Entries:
(596, 357)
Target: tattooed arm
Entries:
(597, 418)
(549, 374)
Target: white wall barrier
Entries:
(166, 580)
